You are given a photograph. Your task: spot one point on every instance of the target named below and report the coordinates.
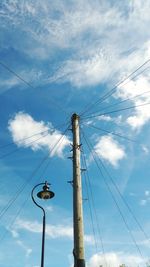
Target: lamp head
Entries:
(46, 193)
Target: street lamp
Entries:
(44, 194)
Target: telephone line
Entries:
(93, 203)
(111, 92)
(22, 206)
(110, 132)
(30, 85)
(91, 214)
(124, 200)
(42, 132)
(111, 193)
(119, 102)
(13, 199)
(114, 111)
(29, 143)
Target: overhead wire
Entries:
(46, 133)
(114, 111)
(90, 210)
(117, 188)
(110, 132)
(52, 129)
(120, 102)
(13, 199)
(125, 202)
(30, 85)
(18, 148)
(93, 153)
(88, 183)
(27, 198)
(111, 92)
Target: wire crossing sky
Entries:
(91, 58)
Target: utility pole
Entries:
(78, 251)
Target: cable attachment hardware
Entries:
(83, 170)
(70, 182)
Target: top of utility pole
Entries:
(74, 116)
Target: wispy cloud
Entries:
(24, 247)
(23, 126)
(94, 33)
(93, 36)
(52, 231)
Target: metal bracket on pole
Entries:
(70, 182)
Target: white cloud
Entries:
(14, 233)
(132, 89)
(114, 259)
(145, 149)
(146, 198)
(110, 150)
(104, 118)
(52, 231)
(49, 208)
(117, 119)
(89, 71)
(100, 60)
(94, 32)
(143, 202)
(147, 193)
(23, 126)
(9, 83)
(27, 249)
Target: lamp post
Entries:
(44, 194)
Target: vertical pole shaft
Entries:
(43, 242)
(79, 260)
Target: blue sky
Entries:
(68, 55)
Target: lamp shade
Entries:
(46, 193)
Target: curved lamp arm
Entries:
(34, 199)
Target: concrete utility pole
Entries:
(78, 251)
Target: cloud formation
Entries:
(110, 150)
(26, 132)
(94, 34)
(114, 259)
(52, 231)
(138, 91)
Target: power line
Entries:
(114, 111)
(93, 153)
(113, 133)
(24, 202)
(17, 149)
(124, 200)
(29, 85)
(13, 199)
(93, 204)
(52, 129)
(13, 220)
(116, 187)
(26, 144)
(119, 102)
(90, 210)
(111, 92)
